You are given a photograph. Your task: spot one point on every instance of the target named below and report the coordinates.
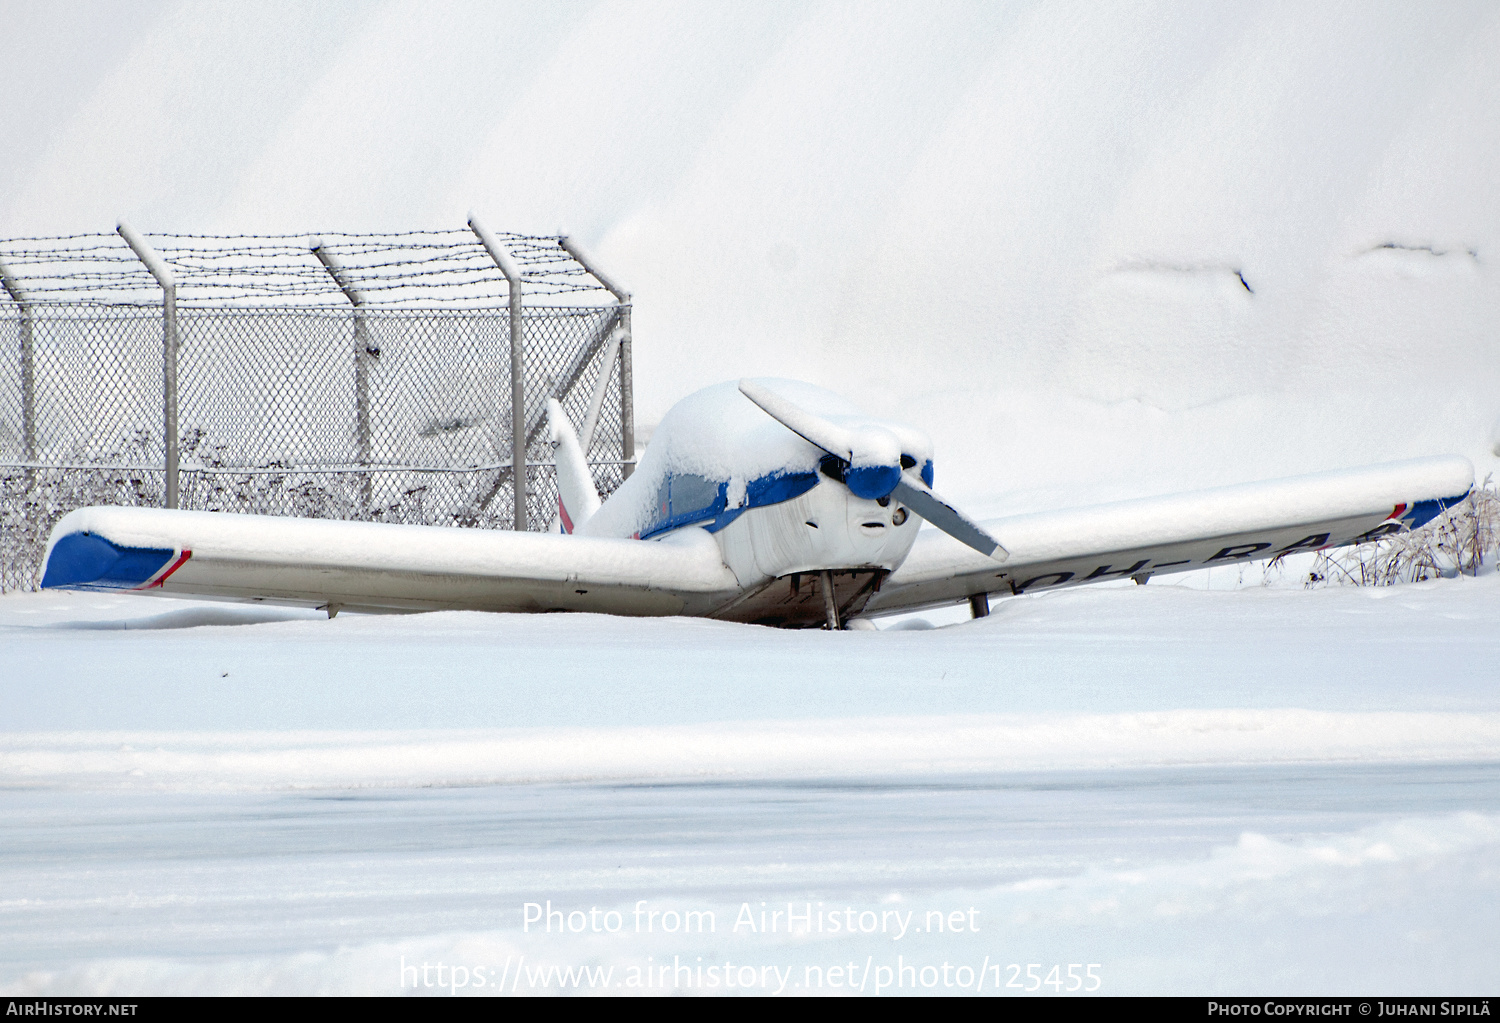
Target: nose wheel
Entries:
(801, 600)
(830, 605)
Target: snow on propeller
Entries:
(772, 502)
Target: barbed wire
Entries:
(445, 266)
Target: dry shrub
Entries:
(1458, 542)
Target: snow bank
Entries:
(1138, 251)
(916, 746)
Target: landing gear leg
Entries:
(979, 605)
(830, 606)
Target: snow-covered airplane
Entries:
(766, 501)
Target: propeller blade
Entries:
(918, 496)
(820, 433)
(847, 445)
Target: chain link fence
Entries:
(396, 413)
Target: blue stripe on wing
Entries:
(84, 561)
(1424, 512)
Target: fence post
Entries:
(627, 382)
(164, 277)
(518, 431)
(362, 355)
(28, 369)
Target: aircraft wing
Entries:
(1177, 533)
(365, 566)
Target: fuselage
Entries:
(776, 504)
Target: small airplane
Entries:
(760, 501)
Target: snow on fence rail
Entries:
(373, 380)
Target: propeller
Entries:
(871, 457)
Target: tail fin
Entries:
(577, 498)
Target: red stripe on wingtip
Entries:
(563, 513)
(181, 560)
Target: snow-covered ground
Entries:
(1197, 790)
(1096, 252)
